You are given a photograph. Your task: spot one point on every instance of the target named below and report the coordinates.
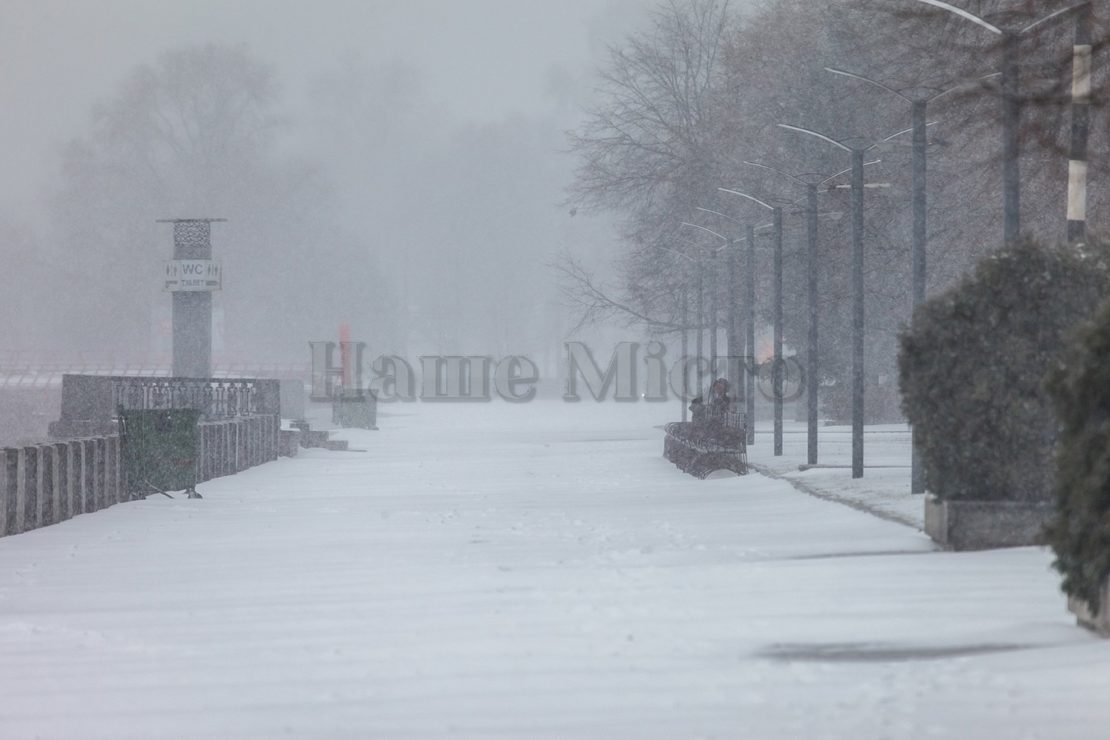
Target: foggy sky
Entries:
(433, 129)
(479, 60)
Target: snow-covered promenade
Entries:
(527, 571)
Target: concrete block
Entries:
(290, 441)
(1099, 623)
(985, 525)
(87, 398)
(292, 399)
(314, 438)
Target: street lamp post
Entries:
(733, 326)
(700, 291)
(919, 244)
(857, 313)
(748, 350)
(776, 368)
(714, 309)
(685, 348)
(749, 361)
(698, 343)
(857, 154)
(685, 331)
(812, 355)
(699, 297)
(1011, 106)
(919, 126)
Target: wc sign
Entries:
(192, 275)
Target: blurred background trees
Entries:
(685, 103)
(194, 135)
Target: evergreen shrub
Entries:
(1080, 533)
(972, 369)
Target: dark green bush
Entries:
(1080, 535)
(972, 369)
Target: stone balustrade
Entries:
(47, 483)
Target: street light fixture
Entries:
(858, 153)
(1011, 106)
(732, 330)
(811, 186)
(713, 295)
(749, 318)
(919, 245)
(919, 106)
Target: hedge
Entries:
(973, 364)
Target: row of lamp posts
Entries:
(778, 365)
(919, 99)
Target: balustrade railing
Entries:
(215, 398)
(90, 403)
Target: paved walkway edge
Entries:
(851, 503)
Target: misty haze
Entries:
(509, 368)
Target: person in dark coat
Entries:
(719, 401)
(697, 411)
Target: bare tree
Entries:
(647, 150)
(668, 129)
(1054, 87)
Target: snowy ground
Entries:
(527, 571)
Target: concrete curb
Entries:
(850, 503)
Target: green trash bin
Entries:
(159, 449)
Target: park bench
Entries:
(712, 441)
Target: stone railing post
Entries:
(98, 473)
(112, 475)
(9, 490)
(28, 488)
(88, 476)
(45, 498)
(63, 509)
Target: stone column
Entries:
(192, 309)
(62, 508)
(9, 488)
